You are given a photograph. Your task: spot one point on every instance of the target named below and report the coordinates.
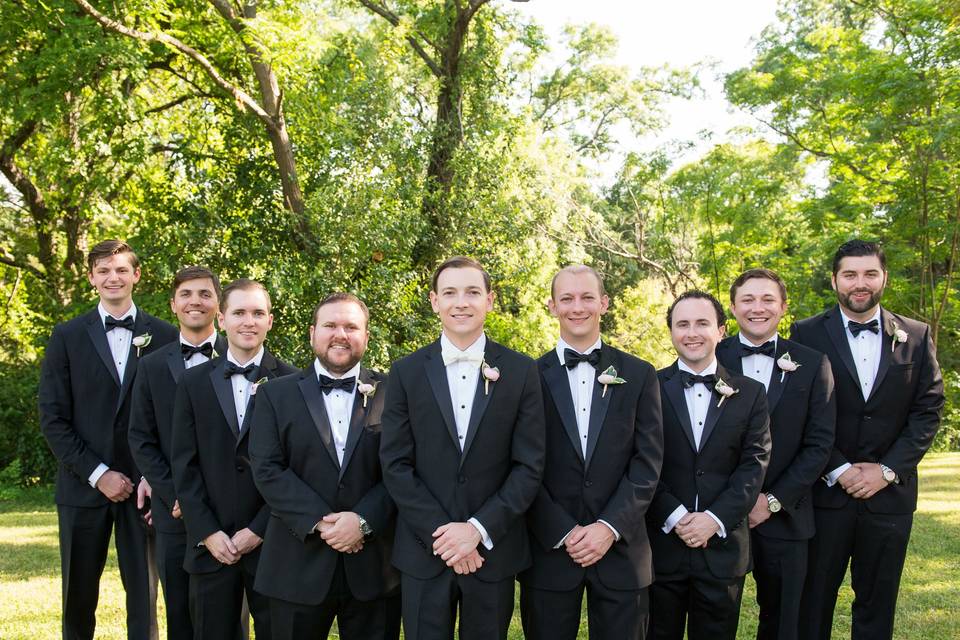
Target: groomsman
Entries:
(889, 397)
(194, 300)
(603, 456)
(315, 452)
(87, 373)
(802, 407)
(716, 450)
(462, 451)
(225, 516)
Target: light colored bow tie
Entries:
(449, 357)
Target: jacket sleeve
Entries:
(144, 439)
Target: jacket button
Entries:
(239, 468)
(588, 483)
(342, 486)
(462, 479)
(699, 473)
(868, 417)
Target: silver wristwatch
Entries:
(888, 474)
(365, 528)
(773, 504)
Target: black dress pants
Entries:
(430, 607)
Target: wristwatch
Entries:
(773, 504)
(365, 528)
(888, 474)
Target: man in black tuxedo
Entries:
(315, 453)
(224, 514)
(87, 373)
(716, 449)
(462, 451)
(194, 300)
(604, 451)
(889, 397)
(802, 407)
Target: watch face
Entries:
(773, 504)
(889, 475)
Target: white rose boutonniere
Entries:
(899, 335)
(366, 390)
(608, 377)
(142, 342)
(724, 390)
(256, 385)
(787, 365)
(490, 374)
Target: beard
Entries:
(342, 367)
(846, 300)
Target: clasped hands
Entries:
(696, 528)
(229, 550)
(341, 530)
(587, 545)
(456, 544)
(862, 480)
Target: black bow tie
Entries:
(689, 379)
(766, 349)
(112, 323)
(188, 350)
(329, 384)
(856, 327)
(572, 358)
(249, 372)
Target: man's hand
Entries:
(455, 541)
(344, 533)
(760, 512)
(470, 564)
(116, 486)
(143, 492)
(176, 513)
(221, 547)
(696, 529)
(849, 477)
(587, 545)
(246, 541)
(869, 482)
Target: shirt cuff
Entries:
(487, 542)
(97, 474)
(563, 539)
(832, 477)
(722, 531)
(616, 534)
(674, 518)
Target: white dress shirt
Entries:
(197, 358)
(758, 366)
(241, 386)
(462, 379)
(698, 399)
(119, 340)
(339, 406)
(865, 349)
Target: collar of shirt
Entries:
(561, 345)
(477, 347)
(875, 316)
(319, 369)
(132, 311)
(211, 339)
(747, 342)
(711, 368)
(255, 359)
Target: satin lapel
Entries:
(310, 390)
(357, 420)
(886, 352)
(674, 392)
(140, 327)
(838, 335)
(481, 398)
(220, 346)
(600, 401)
(224, 392)
(437, 376)
(558, 385)
(175, 361)
(728, 353)
(268, 369)
(99, 339)
(774, 386)
(715, 409)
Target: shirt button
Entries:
(464, 377)
(461, 437)
(463, 406)
(700, 423)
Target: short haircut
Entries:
(109, 248)
(701, 295)
(856, 248)
(195, 273)
(460, 262)
(576, 269)
(339, 296)
(751, 274)
(243, 284)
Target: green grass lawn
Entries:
(928, 606)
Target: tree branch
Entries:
(394, 20)
(9, 260)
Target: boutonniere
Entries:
(899, 335)
(142, 342)
(256, 385)
(366, 390)
(490, 374)
(724, 390)
(608, 377)
(214, 354)
(787, 365)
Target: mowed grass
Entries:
(928, 607)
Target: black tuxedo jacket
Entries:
(803, 412)
(615, 482)
(897, 423)
(211, 468)
(726, 472)
(151, 426)
(84, 410)
(496, 478)
(296, 469)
